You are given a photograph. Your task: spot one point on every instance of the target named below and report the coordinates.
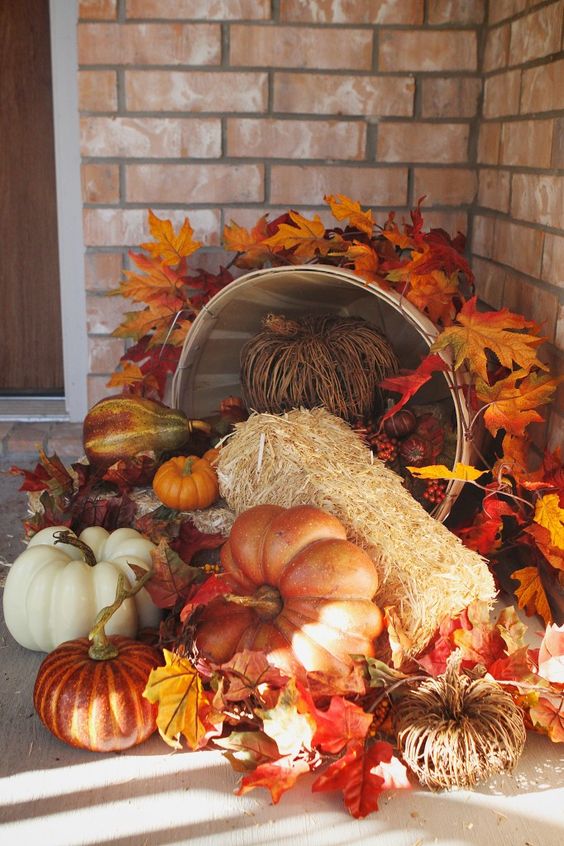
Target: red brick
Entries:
(535, 303)
(129, 227)
(371, 186)
(97, 91)
(104, 353)
(542, 89)
(248, 217)
(450, 96)
(208, 10)
(175, 183)
(352, 11)
(445, 186)
(489, 143)
(296, 139)
(489, 281)
(493, 190)
(100, 183)
(149, 44)
(97, 10)
(102, 271)
(206, 91)
(501, 94)
(553, 259)
(557, 158)
(559, 334)
(526, 143)
(502, 9)
(103, 314)
(151, 137)
(427, 50)
(496, 53)
(456, 11)
(300, 47)
(97, 389)
(423, 142)
(483, 235)
(535, 35)
(538, 198)
(518, 246)
(344, 95)
(555, 437)
(449, 220)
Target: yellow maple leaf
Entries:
(549, 514)
(463, 472)
(498, 331)
(342, 207)
(239, 240)
(128, 375)
(135, 324)
(512, 402)
(178, 691)
(170, 247)
(305, 237)
(531, 595)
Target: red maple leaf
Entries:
(218, 584)
(408, 382)
(276, 776)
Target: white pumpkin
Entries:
(52, 595)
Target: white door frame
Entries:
(64, 62)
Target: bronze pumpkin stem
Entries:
(266, 602)
(102, 649)
(67, 536)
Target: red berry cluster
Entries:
(385, 447)
(435, 491)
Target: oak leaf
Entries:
(343, 208)
(531, 595)
(247, 672)
(305, 237)
(462, 472)
(183, 705)
(512, 402)
(501, 332)
(365, 261)
(341, 723)
(289, 723)
(170, 247)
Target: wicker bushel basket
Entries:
(209, 366)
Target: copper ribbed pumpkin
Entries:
(303, 592)
(97, 704)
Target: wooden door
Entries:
(31, 360)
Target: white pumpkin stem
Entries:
(102, 649)
(66, 536)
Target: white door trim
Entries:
(64, 62)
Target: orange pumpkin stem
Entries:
(72, 540)
(266, 602)
(102, 649)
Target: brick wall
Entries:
(518, 219)
(224, 109)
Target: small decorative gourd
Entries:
(89, 691)
(186, 483)
(303, 593)
(56, 587)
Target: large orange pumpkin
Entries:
(303, 592)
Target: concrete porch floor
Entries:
(60, 796)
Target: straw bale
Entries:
(311, 456)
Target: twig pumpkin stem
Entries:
(102, 649)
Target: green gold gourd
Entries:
(121, 427)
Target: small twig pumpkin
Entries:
(320, 360)
(455, 731)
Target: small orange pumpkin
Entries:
(186, 483)
(303, 592)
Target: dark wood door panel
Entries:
(30, 323)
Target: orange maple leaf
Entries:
(531, 595)
(498, 331)
(169, 248)
(135, 324)
(365, 261)
(155, 282)
(305, 237)
(250, 244)
(433, 293)
(128, 375)
(512, 402)
(343, 208)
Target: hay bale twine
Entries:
(311, 456)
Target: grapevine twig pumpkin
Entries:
(89, 691)
(327, 360)
(303, 592)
